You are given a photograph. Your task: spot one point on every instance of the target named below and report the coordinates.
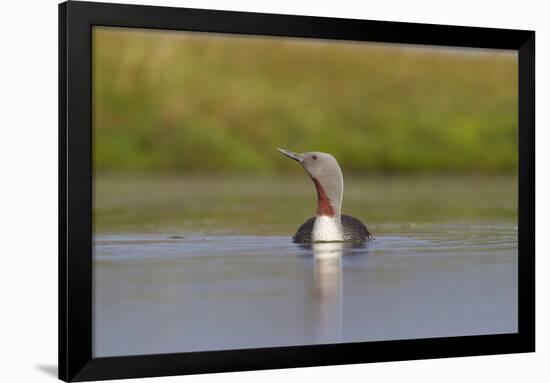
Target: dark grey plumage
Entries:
(354, 230)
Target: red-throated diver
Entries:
(328, 225)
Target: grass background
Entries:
(187, 103)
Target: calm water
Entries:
(190, 276)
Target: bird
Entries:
(328, 225)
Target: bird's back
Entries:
(354, 230)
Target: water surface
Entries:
(175, 277)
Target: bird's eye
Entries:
(314, 157)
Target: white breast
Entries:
(327, 229)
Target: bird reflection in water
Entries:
(328, 290)
(328, 295)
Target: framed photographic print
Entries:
(246, 191)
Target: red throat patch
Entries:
(323, 202)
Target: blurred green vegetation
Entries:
(188, 103)
(274, 205)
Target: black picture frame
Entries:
(76, 20)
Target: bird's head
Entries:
(327, 177)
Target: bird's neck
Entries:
(329, 196)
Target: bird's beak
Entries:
(294, 156)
